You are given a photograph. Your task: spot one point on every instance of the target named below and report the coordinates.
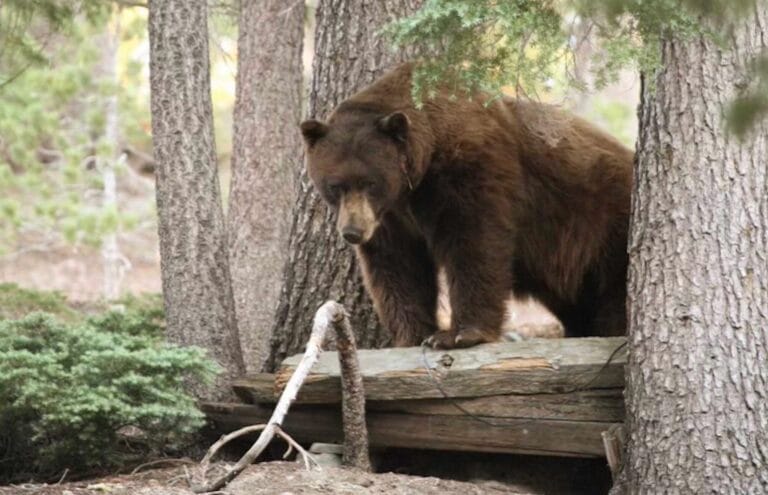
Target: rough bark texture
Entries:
(265, 162)
(356, 452)
(697, 389)
(193, 251)
(349, 54)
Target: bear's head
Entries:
(359, 163)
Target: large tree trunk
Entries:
(349, 54)
(697, 383)
(193, 251)
(265, 163)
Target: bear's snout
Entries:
(357, 220)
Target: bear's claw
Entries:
(448, 339)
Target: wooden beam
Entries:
(538, 366)
(256, 388)
(439, 432)
(588, 405)
(591, 405)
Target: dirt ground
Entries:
(268, 478)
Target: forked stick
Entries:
(329, 314)
(225, 439)
(356, 453)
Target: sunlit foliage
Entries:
(490, 44)
(52, 144)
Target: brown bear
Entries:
(503, 194)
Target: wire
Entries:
(483, 420)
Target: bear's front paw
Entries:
(450, 339)
(442, 339)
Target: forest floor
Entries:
(278, 478)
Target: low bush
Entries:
(69, 390)
(133, 315)
(16, 302)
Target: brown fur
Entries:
(506, 195)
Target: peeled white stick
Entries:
(328, 315)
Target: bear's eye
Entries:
(334, 191)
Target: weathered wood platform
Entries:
(548, 396)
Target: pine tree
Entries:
(193, 251)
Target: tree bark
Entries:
(265, 163)
(193, 252)
(355, 447)
(349, 54)
(697, 378)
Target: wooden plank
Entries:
(256, 388)
(588, 405)
(437, 432)
(260, 388)
(591, 405)
(538, 366)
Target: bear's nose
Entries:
(352, 235)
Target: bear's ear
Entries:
(313, 130)
(395, 125)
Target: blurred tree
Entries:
(58, 169)
(266, 160)
(26, 28)
(194, 261)
(115, 264)
(349, 54)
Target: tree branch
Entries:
(353, 404)
(324, 318)
(352, 395)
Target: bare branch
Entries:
(324, 318)
(352, 396)
(225, 439)
(160, 461)
(309, 460)
(353, 404)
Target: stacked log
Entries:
(542, 396)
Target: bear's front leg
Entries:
(477, 257)
(400, 276)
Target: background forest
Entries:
(159, 236)
(55, 211)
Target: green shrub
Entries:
(134, 315)
(16, 302)
(67, 390)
